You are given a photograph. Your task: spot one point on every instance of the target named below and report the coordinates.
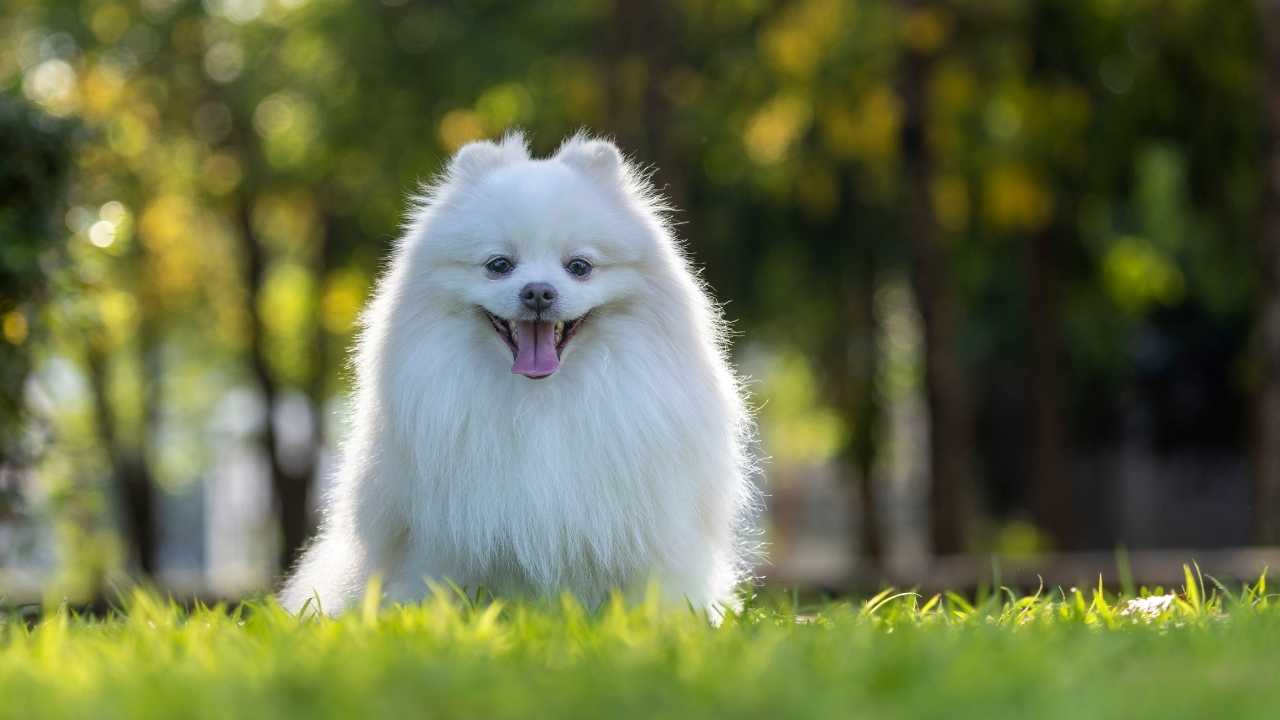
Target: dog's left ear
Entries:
(599, 159)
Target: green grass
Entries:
(1073, 654)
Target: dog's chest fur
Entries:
(579, 485)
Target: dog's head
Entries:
(538, 251)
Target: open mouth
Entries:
(535, 345)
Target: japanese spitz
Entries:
(543, 402)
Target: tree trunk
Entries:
(290, 482)
(290, 487)
(851, 367)
(1267, 509)
(138, 490)
(868, 413)
(951, 501)
(130, 474)
(1047, 471)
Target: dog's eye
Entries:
(500, 266)
(578, 267)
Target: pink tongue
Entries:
(535, 350)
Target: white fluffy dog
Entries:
(543, 402)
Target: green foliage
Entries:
(33, 172)
(1065, 654)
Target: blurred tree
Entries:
(1267, 513)
(291, 482)
(36, 152)
(1048, 467)
(952, 502)
(127, 452)
(1057, 179)
(854, 369)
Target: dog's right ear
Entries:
(477, 159)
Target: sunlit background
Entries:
(997, 268)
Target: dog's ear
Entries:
(477, 159)
(599, 159)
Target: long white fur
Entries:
(627, 466)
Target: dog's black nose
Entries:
(538, 296)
